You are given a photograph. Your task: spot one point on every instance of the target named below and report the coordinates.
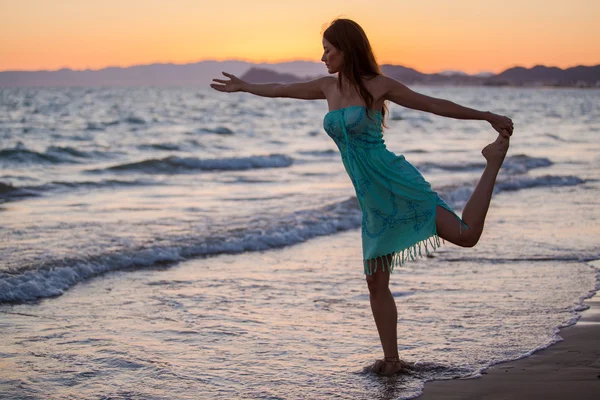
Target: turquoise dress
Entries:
(398, 206)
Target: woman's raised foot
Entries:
(495, 152)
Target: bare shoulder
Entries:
(380, 79)
(394, 90)
(328, 85)
(384, 84)
(328, 81)
(399, 93)
(379, 87)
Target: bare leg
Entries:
(477, 206)
(475, 211)
(386, 319)
(384, 311)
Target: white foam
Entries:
(295, 228)
(175, 164)
(457, 196)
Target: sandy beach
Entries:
(568, 369)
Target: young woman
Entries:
(401, 214)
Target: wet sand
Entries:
(568, 369)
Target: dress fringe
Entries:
(397, 259)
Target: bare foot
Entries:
(495, 152)
(389, 368)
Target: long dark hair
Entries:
(359, 60)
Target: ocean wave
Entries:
(173, 165)
(25, 156)
(557, 138)
(159, 146)
(68, 151)
(526, 182)
(457, 196)
(451, 167)
(99, 126)
(133, 119)
(53, 155)
(521, 163)
(57, 276)
(219, 130)
(395, 116)
(517, 164)
(9, 192)
(319, 153)
(106, 183)
(94, 126)
(6, 188)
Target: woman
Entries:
(401, 214)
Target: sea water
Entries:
(163, 243)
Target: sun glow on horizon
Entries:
(431, 36)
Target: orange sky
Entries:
(429, 35)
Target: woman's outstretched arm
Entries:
(402, 95)
(311, 90)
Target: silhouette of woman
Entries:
(401, 214)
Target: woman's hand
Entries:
(234, 84)
(503, 125)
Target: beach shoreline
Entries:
(569, 368)
(135, 326)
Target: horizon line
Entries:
(284, 61)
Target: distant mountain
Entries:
(549, 76)
(194, 74)
(536, 76)
(202, 73)
(156, 74)
(264, 75)
(411, 76)
(403, 74)
(451, 72)
(298, 68)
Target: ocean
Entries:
(161, 243)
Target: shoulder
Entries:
(327, 84)
(380, 87)
(384, 83)
(327, 81)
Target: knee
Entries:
(375, 285)
(469, 240)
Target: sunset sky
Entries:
(428, 35)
